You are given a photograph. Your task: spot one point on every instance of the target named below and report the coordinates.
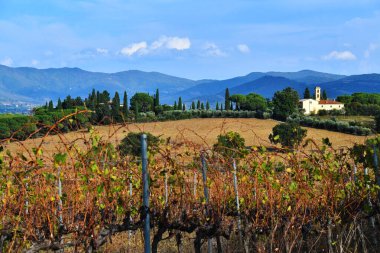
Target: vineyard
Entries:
(224, 196)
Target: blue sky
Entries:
(194, 39)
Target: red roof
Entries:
(329, 102)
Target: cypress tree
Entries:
(306, 94)
(199, 105)
(227, 102)
(157, 98)
(59, 104)
(324, 95)
(207, 105)
(97, 97)
(175, 105)
(136, 110)
(217, 106)
(51, 106)
(115, 107)
(183, 107)
(202, 106)
(180, 103)
(125, 104)
(192, 105)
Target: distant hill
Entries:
(351, 84)
(307, 76)
(266, 86)
(212, 88)
(33, 85)
(42, 84)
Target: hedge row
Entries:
(22, 126)
(331, 125)
(190, 114)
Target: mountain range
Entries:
(33, 85)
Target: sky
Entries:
(205, 39)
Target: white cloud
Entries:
(243, 48)
(213, 50)
(35, 62)
(342, 56)
(7, 62)
(176, 43)
(102, 51)
(372, 47)
(140, 48)
(164, 42)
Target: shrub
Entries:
(131, 144)
(231, 145)
(288, 134)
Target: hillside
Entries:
(33, 85)
(352, 84)
(214, 88)
(42, 84)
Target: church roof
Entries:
(329, 102)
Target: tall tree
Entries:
(217, 106)
(227, 100)
(207, 105)
(157, 98)
(183, 107)
(199, 105)
(115, 107)
(202, 106)
(179, 103)
(254, 102)
(285, 103)
(59, 104)
(306, 94)
(175, 107)
(324, 95)
(143, 101)
(125, 104)
(51, 106)
(193, 105)
(238, 99)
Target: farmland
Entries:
(101, 191)
(200, 131)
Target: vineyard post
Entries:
(166, 189)
(376, 165)
(130, 218)
(144, 165)
(372, 220)
(60, 208)
(205, 189)
(237, 200)
(195, 185)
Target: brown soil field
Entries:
(200, 131)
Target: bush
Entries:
(288, 134)
(131, 144)
(231, 145)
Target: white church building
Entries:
(310, 105)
